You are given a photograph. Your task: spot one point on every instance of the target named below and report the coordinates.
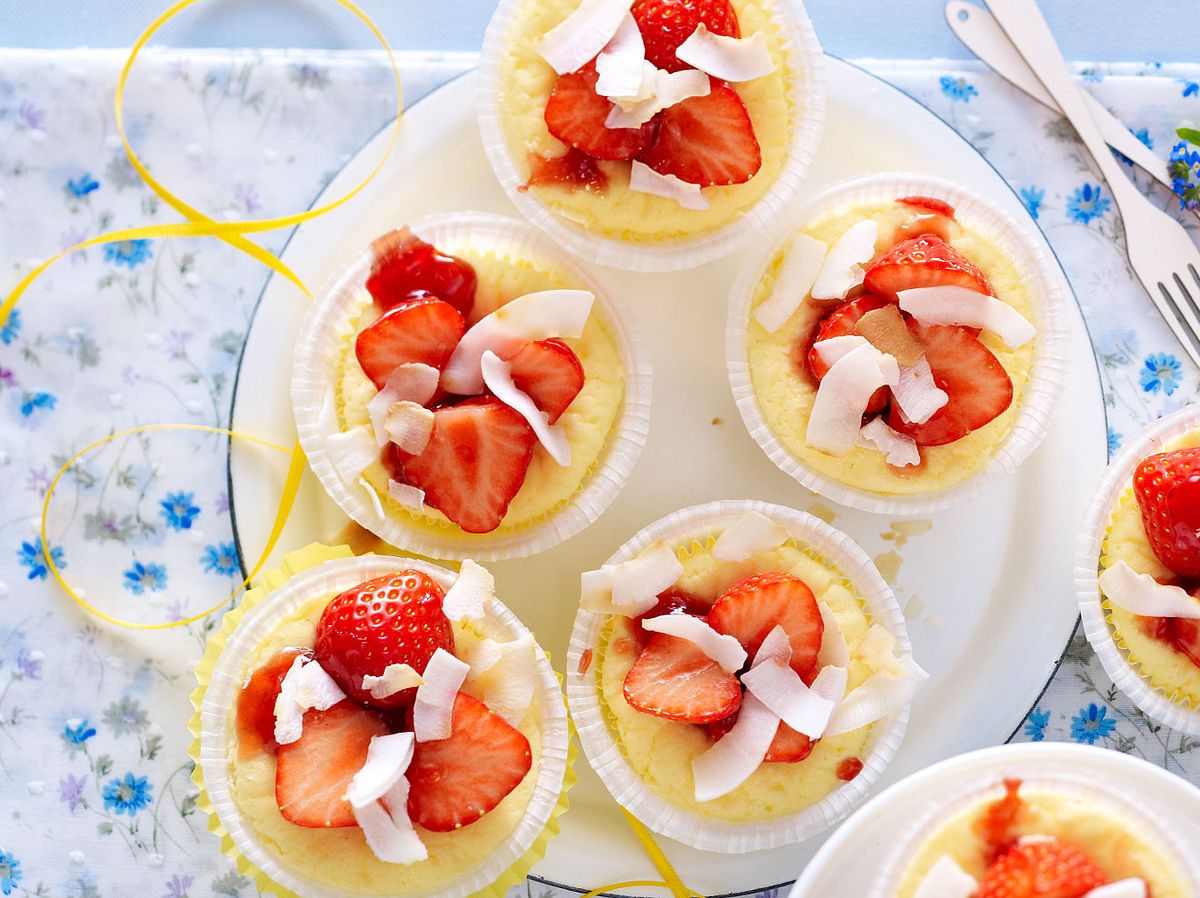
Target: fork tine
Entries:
(1185, 332)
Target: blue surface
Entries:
(1160, 30)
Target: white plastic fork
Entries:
(1161, 252)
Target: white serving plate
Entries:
(993, 577)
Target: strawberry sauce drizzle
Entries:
(996, 822)
(575, 170)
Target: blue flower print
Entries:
(142, 577)
(1114, 441)
(30, 555)
(1087, 203)
(1032, 198)
(1190, 88)
(1091, 724)
(177, 886)
(958, 89)
(220, 559)
(178, 510)
(130, 253)
(70, 791)
(1184, 168)
(30, 664)
(82, 186)
(127, 795)
(77, 732)
(10, 873)
(31, 402)
(11, 328)
(1035, 726)
(1160, 372)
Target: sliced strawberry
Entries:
(1042, 869)
(550, 373)
(706, 140)
(474, 464)
(455, 781)
(977, 384)
(313, 772)
(665, 24)
(575, 114)
(1167, 487)
(787, 747)
(422, 330)
(923, 261)
(672, 601)
(405, 265)
(256, 704)
(839, 323)
(672, 678)
(928, 204)
(751, 609)
(575, 170)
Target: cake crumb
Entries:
(914, 607)
(902, 531)
(823, 512)
(889, 565)
(933, 622)
(717, 422)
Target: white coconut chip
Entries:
(1134, 887)
(797, 274)
(497, 376)
(409, 425)
(595, 589)
(728, 58)
(630, 588)
(780, 688)
(842, 397)
(388, 758)
(737, 754)
(917, 394)
(410, 382)
(644, 179)
(570, 44)
(406, 494)
(946, 879)
(843, 267)
(777, 646)
(899, 449)
(434, 707)
(504, 675)
(968, 308)
(534, 316)
(305, 686)
(469, 594)
(832, 350)
(747, 536)
(1141, 594)
(659, 90)
(395, 678)
(723, 649)
(378, 794)
(834, 651)
(352, 452)
(877, 697)
(619, 65)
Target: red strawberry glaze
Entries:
(574, 170)
(406, 265)
(993, 827)
(256, 704)
(848, 769)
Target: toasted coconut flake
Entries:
(747, 536)
(946, 879)
(504, 676)
(968, 308)
(406, 494)
(409, 425)
(728, 58)
(1134, 887)
(306, 685)
(888, 333)
(917, 394)
(1141, 594)
(395, 678)
(734, 758)
(497, 375)
(834, 651)
(410, 382)
(570, 44)
(843, 268)
(352, 452)
(843, 395)
(797, 274)
(899, 449)
(443, 676)
(659, 90)
(619, 65)
(723, 649)
(469, 594)
(644, 179)
(780, 688)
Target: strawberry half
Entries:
(313, 772)
(1167, 487)
(423, 330)
(839, 323)
(672, 678)
(455, 781)
(550, 373)
(978, 387)
(706, 140)
(751, 609)
(1050, 869)
(474, 464)
(924, 261)
(671, 601)
(665, 24)
(787, 747)
(575, 114)
(393, 619)
(406, 265)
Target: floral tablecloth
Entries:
(95, 795)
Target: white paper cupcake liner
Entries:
(219, 708)
(1153, 701)
(806, 94)
(1034, 263)
(1057, 768)
(605, 755)
(329, 323)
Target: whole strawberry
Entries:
(665, 24)
(1167, 486)
(1050, 869)
(393, 619)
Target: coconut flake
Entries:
(946, 879)
(409, 425)
(434, 707)
(388, 758)
(842, 397)
(504, 675)
(780, 688)
(406, 494)
(968, 308)
(534, 316)
(395, 678)
(723, 649)
(467, 596)
(834, 651)
(619, 65)
(352, 452)
(883, 693)
(630, 588)
(410, 382)
(659, 90)
(644, 179)
(391, 839)
(917, 394)
(843, 267)
(747, 536)
(900, 449)
(570, 44)
(1141, 594)
(497, 376)
(1134, 887)
(775, 647)
(727, 58)
(306, 685)
(378, 794)
(832, 350)
(595, 589)
(797, 274)
(736, 755)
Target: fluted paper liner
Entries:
(1173, 711)
(305, 574)
(1036, 266)
(323, 341)
(604, 753)
(806, 100)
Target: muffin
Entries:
(956, 315)
(380, 726)
(720, 622)
(463, 390)
(656, 137)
